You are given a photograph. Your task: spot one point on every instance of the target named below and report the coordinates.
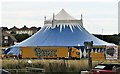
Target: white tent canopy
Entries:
(63, 15)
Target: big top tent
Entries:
(62, 30)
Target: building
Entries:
(13, 30)
(23, 30)
(6, 39)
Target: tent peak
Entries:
(63, 19)
(63, 15)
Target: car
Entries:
(106, 69)
(2, 71)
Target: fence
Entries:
(26, 70)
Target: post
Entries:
(18, 64)
(88, 46)
(81, 19)
(53, 20)
(102, 33)
(44, 20)
(89, 59)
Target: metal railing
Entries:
(26, 70)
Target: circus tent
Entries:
(61, 30)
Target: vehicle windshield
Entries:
(106, 66)
(99, 67)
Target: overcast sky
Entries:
(98, 17)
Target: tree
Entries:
(119, 34)
(110, 38)
(21, 37)
(12, 32)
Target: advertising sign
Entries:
(111, 52)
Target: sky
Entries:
(99, 17)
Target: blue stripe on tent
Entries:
(101, 49)
(82, 55)
(94, 49)
(82, 49)
(15, 50)
(97, 49)
(7, 50)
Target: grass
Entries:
(48, 65)
(52, 65)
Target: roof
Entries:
(4, 28)
(63, 19)
(4, 33)
(14, 28)
(24, 28)
(54, 37)
(33, 28)
(63, 15)
(7, 34)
